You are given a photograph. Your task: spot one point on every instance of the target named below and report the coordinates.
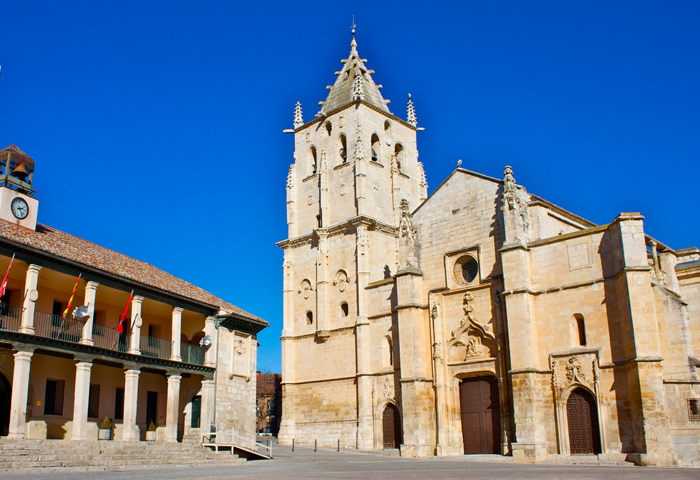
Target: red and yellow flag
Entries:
(3, 287)
(120, 327)
(70, 302)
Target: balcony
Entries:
(47, 325)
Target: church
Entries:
(481, 319)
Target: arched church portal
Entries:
(5, 402)
(481, 417)
(391, 427)
(582, 417)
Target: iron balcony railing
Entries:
(110, 339)
(70, 330)
(192, 354)
(54, 326)
(10, 317)
(155, 347)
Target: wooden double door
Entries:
(481, 417)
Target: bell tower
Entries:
(17, 202)
(355, 164)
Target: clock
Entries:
(19, 208)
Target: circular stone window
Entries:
(466, 269)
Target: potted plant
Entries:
(105, 430)
(151, 432)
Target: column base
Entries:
(87, 341)
(27, 330)
(530, 452)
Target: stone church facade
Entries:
(479, 319)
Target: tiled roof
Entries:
(341, 93)
(63, 245)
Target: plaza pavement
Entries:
(304, 463)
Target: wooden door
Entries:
(391, 427)
(582, 414)
(481, 417)
(151, 408)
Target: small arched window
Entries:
(399, 154)
(387, 127)
(309, 318)
(578, 325)
(329, 128)
(375, 147)
(344, 309)
(343, 148)
(312, 155)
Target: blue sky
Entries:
(156, 127)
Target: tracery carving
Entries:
(388, 387)
(341, 280)
(471, 340)
(515, 199)
(239, 347)
(290, 176)
(362, 238)
(305, 289)
(574, 372)
(342, 189)
(359, 152)
(406, 226)
(288, 258)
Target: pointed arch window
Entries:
(375, 147)
(343, 148)
(312, 159)
(399, 155)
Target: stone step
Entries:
(93, 456)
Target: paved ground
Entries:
(304, 463)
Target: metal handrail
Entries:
(10, 317)
(48, 325)
(241, 438)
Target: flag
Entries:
(3, 287)
(120, 328)
(70, 302)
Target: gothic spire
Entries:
(354, 83)
(411, 112)
(298, 119)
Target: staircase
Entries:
(30, 456)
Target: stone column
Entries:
(90, 294)
(136, 322)
(20, 391)
(175, 354)
(173, 408)
(206, 416)
(131, 393)
(31, 295)
(210, 329)
(81, 399)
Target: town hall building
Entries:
(479, 319)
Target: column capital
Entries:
(131, 366)
(91, 285)
(34, 268)
(178, 310)
(137, 299)
(174, 377)
(82, 358)
(23, 348)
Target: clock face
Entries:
(19, 208)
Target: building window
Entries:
(398, 154)
(53, 397)
(309, 318)
(344, 309)
(94, 401)
(694, 409)
(390, 351)
(119, 404)
(375, 147)
(313, 160)
(343, 148)
(580, 329)
(466, 269)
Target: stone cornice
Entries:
(345, 107)
(380, 283)
(313, 334)
(340, 228)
